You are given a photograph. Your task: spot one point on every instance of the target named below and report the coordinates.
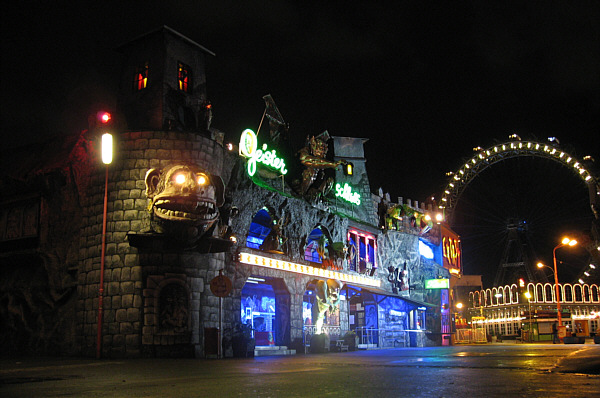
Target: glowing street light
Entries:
(541, 265)
(107, 145)
(107, 156)
(565, 242)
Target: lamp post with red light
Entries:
(107, 153)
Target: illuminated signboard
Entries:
(437, 283)
(249, 149)
(451, 250)
(345, 192)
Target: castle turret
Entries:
(163, 83)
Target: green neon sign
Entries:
(249, 149)
(437, 283)
(345, 192)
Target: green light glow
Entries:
(249, 149)
(346, 193)
(437, 283)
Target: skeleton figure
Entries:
(184, 200)
(314, 183)
(327, 299)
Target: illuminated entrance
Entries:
(265, 306)
(384, 321)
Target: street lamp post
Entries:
(107, 151)
(565, 242)
(528, 296)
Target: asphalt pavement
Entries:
(487, 370)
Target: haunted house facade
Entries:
(206, 242)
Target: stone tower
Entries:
(163, 83)
(351, 150)
(154, 301)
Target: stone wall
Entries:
(127, 270)
(397, 248)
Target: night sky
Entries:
(424, 82)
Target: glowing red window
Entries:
(184, 76)
(140, 77)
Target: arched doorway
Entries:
(265, 306)
(310, 312)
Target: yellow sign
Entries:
(221, 286)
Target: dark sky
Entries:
(424, 82)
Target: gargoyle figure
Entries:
(184, 200)
(314, 182)
(327, 299)
(417, 219)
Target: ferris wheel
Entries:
(516, 148)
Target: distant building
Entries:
(508, 310)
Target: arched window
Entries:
(488, 298)
(568, 291)
(514, 294)
(594, 293)
(498, 296)
(260, 227)
(476, 299)
(539, 293)
(578, 293)
(548, 293)
(586, 293)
